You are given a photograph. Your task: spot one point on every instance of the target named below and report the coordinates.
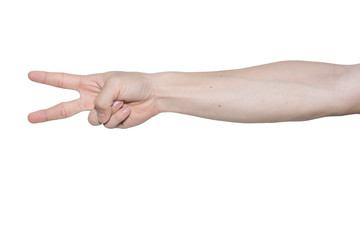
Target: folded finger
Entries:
(59, 111)
(116, 106)
(104, 100)
(118, 117)
(93, 117)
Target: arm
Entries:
(282, 91)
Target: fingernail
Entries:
(101, 117)
(116, 103)
(125, 110)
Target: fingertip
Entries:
(126, 110)
(103, 117)
(37, 76)
(92, 118)
(117, 105)
(103, 109)
(37, 117)
(31, 73)
(30, 118)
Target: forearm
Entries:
(283, 91)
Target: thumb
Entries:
(104, 100)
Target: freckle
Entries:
(219, 105)
(210, 86)
(221, 75)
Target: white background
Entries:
(176, 176)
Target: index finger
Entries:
(57, 79)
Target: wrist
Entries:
(165, 90)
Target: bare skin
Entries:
(135, 90)
(281, 91)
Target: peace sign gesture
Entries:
(115, 99)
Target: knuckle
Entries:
(112, 80)
(100, 104)
(60, 81)
(63, 112)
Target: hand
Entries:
(115, 99)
